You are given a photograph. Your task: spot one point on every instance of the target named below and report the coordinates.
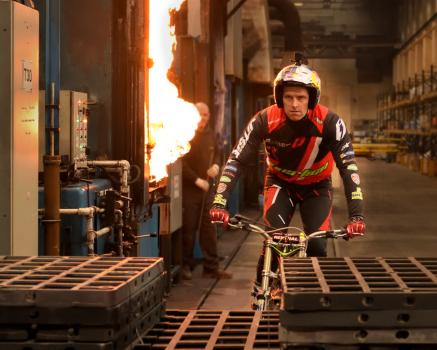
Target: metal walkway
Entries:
(400, 209)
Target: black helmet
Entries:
(297, 75)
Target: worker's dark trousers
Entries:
(315, 203)
(193, 216)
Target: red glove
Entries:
(219, 215)
(356, 227)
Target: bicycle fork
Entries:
(264, 294)
(302, 245)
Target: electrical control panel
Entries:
(73, 124)
(79, 125)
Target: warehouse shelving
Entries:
(409, 111)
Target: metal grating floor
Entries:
(139, 303)
(218, 330)
(345, 283)
(80, 281)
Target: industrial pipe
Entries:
(119, 233)
(52, 203)
(90, 236)
(123, 164)
(103, 231)
(124, 192)
(82, 211)
(89, 213)
(124, 180)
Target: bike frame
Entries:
(272, 248)
(282, 250)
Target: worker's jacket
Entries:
(298, 152)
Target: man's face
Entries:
(204, 116)
(295, 100)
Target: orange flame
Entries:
(172, 121)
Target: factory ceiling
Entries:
(362, 29)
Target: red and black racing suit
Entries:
(300, 159)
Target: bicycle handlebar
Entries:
(241, 222)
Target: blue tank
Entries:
(73, 227)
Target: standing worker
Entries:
(303, 140)
(198, 166)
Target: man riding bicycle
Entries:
(302, 140)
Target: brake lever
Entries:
(234, 220)
(240, 217)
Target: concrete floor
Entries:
(401, 219)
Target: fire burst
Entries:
(172, 120)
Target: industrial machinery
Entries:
(19, 74)
(73, 119)
(62, 194)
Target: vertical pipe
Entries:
(119, 231)
(52, 75)
(52, 203)
(265, 282)
(90, 233)
(52, 160)
(52, 119)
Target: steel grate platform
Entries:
(215, 330)
(359, 283)
(415, 338)
(139, 303)
(78, 281)
(78, 303)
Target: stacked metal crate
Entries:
(78, 303)
(356, 302)
(209, 329)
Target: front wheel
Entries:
(259, 304)
(260, 297)
(272, 302)
(269, 299)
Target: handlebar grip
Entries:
(216, 222)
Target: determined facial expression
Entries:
(295, 100)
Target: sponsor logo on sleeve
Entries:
(357, 194)
(340, 130)
(221, 188)
(225, 179)
(347, 154)
(219, 199)
(352, 167)
(243, 140)
(355, 178)
(228, 174)
(346, 145)
(230, 168)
